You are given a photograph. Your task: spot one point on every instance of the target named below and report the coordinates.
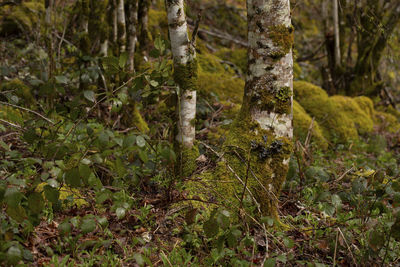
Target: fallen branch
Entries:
(28, 110)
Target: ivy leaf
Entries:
(89, 95)
(211, 227)
(51, 194)
(140, 141)
(35, 203)
(73, 178)
(88, 225)
(120, 213)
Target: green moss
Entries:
(387, 122)
(301, 125)
(158, 23)
(350, 108)
(366, 104)
(20, 89)
(296, 70)
(283, 38)
(138, 120)
(23, 17)
(185, 75)
(237, 56)
(336, 126)
(186, 163)
(225, 86)
(67, 192)
(211, 63)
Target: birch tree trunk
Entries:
(185, 75)
(121, 26)
(144, 37)
(335, 14)
(259, 144)
(132, 31)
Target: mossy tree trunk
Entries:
(49, 6)
(143, 15)
(121, 22)
(259, 143)
(99, 26)
(185, 75)
(132, 31)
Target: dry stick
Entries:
(348, 247)
(336, 243)
(28, 110)
(344, 174)
(12, 124)
(196, 29)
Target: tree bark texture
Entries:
(259, 144)
(132, 31)
(121, 22)
(185, 75)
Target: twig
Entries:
(348, 247)
(334, 255)
(196, 29)
(344, 174)
(28, 110)
(12, 124)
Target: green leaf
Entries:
(120, 167)
(85, 172)
(89, 95)
(140, 141)
(376, 240)
(268, 220)
(138, 258)
(13, 197)
(61, 79)
(282, 258)
(211, 227)
(35, 203)
(129, 141)
(123, 58)
(4, 145)
(270, 262)
(73, 178)
(103, 221)
(120, 213)
(64, 227)
(88, 225)
(17, 213)
(14, 255)
(154, 83)
(51, 194)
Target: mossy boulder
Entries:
(19, 88)
(348, 106)
(301, 125)
(366, 105)
(336, 126)
(223, 85)
(387, 122)
(23, 17)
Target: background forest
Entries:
(91, 173)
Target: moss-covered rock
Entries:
(301, 125)
(336, 126)
(387, 122)
(21, 18)
(366, 105)
(20, 89)
(350, 108)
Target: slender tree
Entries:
(185, 75)
(143, 16)
(132, 31)
(121, 26)
(335, 15)
(259, 144)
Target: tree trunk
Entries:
(259, 144)
(121, 26)
(185, 75)
(335, 15)
(132, 31)
(144, 36)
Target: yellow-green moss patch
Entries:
(387, 121)
(350, 108)
(301, 125)
(336, 126)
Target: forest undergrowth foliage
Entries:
(87, 171)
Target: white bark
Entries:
(335, 14)
(187, 114)
(132, 31)
(178, 31)
(104, 48)
(183, 57)
(267, 73)
(121, 25)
